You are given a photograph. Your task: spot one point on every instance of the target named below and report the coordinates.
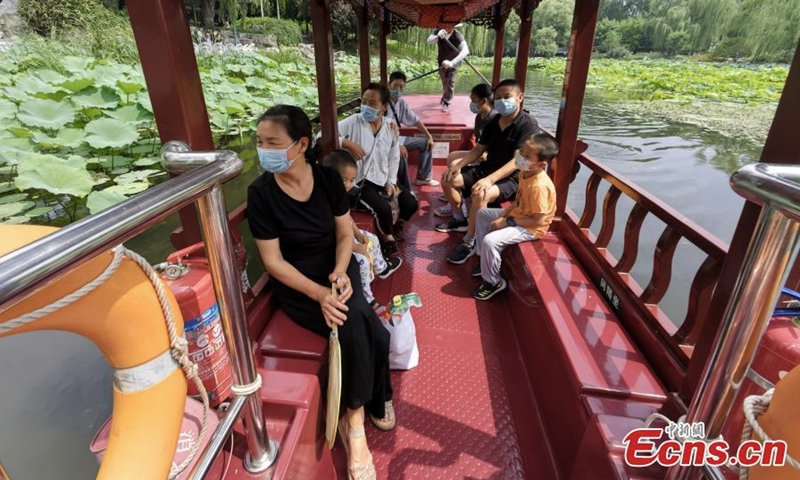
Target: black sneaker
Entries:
(392, 264)
(486, 290)
(453, 226)
(389, 249)
(476, 272)
(461, 253)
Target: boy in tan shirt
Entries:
(526, 219)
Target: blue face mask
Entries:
(275, 161)
(505, 106)
(474, 108)
(370, 114)
(396, 93)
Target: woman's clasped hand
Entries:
(333, 304)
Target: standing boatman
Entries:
(452, 50)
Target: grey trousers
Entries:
(489, 245)
(448, 77)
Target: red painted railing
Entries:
(652, 328)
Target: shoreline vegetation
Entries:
(77, 132)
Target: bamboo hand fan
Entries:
(334, 383)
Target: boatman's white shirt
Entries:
(382, 159)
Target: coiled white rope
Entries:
(249, 389)
(754, 406)
(178, 344)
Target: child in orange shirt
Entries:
(528, 218)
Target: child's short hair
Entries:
(339, 159)
(548, 147)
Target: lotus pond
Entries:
(77, 134)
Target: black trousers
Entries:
(372, 199)
(363, 339)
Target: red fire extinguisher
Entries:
(188, 276)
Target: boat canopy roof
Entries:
(402, 14)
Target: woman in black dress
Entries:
(298, 213)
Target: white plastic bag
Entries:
(403, 350)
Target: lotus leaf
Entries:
(23, 144)
(110, 133)
(131, 113)
(33, 85)
(71, 137)
(100, 178)
(16, 197)
(103, 199)
(76, 64)
(135, 176)
(113, 162)
(258, 83)
(146, 162)
(16, 94)
(15, 220)
(129, 88)
(233, 107)
(39, 211)
(49, 76)
(7, 170)
(108, 75)
(8, 109)
(47, 114)
(56, 175)
(141, 148)
(45, 141)
(77, 84)
(11, 209)
(61, 94)
(19, 132)
(12, 156)
(7, 187)
(144, 101)
(103, 98)
(129, 188)
(120, 171)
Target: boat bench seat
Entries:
(575, 348)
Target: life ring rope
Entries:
(178, 348)
(754, 406)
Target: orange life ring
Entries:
(123, 317)
(782, 422)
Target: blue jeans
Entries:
(420, 144)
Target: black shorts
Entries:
(507, 186)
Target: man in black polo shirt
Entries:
(452, 50)
(492, 180)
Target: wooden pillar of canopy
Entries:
(173, 83)
(584, 20)
(326, 87)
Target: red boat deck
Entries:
(458, 411)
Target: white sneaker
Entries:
(430, 182)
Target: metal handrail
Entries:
(34, 265)
(42, 262)
(763, 273)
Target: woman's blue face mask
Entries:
(275, 161)
(370, 114)
(505, 106)
(474, 108)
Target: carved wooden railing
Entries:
(639, 306)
